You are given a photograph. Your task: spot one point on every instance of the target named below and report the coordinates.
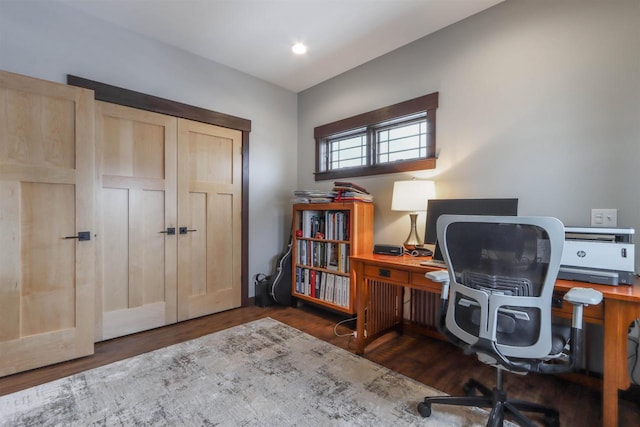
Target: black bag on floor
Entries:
(263, 290)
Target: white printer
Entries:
(598, 255)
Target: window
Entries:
(397, 138)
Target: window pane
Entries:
(399, 142)
(347, 152)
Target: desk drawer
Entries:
(386, 274)
(562, 308)
(419, 281)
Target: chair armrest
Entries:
(584, 296)
(438, 276)
(580, 298)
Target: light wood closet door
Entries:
(46, 195)
(137, 207)
(209, 203)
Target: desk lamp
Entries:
(411, 196)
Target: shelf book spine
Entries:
(331, 283)
(312, 283)
(328, 220)
(319, 275)
(347, 290)
(347, 226)
(323, 286)
(332, 256)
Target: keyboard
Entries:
(434, 263)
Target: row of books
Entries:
(328, 255)
(324, 286)
(330, 225)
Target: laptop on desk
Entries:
(437, 260)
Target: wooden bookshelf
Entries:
(325, 236)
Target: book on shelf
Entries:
(331, 283)
(332, 256)
(307, 289)
(312, 283)
(323, 286)
(298, 280)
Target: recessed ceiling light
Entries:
(299, 49)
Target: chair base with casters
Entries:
(497, 400)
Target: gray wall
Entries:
(49, 40)
(538, 100)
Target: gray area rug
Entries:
(263, 373)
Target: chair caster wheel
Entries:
(424, 408)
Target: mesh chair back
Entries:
(502, 272)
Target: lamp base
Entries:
(413, 240)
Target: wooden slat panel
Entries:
(424, 308)
(384, 310)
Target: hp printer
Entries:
(598, 255)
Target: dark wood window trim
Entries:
(129, 98)
(428, 103)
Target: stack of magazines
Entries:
(342, 192)
(350, 192)
(313, 196)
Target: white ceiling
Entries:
(255, 36)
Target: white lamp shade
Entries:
(412, 196)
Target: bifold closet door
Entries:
(47, 230)
(137, 211)
(209, 213)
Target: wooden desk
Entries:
(380, 282)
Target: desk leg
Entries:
(617, 317)
(357, 268)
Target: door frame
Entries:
(129, 98)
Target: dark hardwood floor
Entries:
(428, 360)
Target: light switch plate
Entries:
(604, 217)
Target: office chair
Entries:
(496, 303)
